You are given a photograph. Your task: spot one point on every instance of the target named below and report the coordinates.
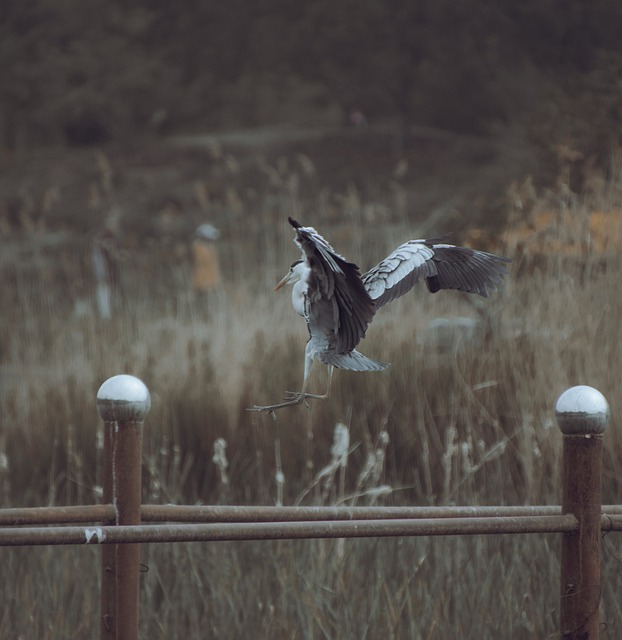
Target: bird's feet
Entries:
(302, 397)
(292, 399)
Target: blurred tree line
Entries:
(87, 71)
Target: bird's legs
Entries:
(295, 398)
(314, 396)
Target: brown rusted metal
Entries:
(182, 513)
(57, 515)
(580, 557)
(106, 514)
(123, 402)
(153, 533)
(108, 559)
(121, 564)
(610, 522)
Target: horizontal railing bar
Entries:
(57, 515)
(611, 522)
(182, 513)
(155, 533)
(106, 513)
(227, 513)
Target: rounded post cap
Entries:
(582, 410)
(123, 398)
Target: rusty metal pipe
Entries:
(182, 513)
(154, 533)
(582, 414)
(226, 513)
(106, 513)
(610, 522)
(123, 402)
(57, 515)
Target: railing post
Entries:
(122, 402)
(582, 415)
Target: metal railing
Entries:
(122, 523)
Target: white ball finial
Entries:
(582, 410)
(123, 398)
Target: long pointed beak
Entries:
(284, 281)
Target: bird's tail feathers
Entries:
(354, 361)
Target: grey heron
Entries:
(338, 303)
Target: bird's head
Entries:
(293, 275)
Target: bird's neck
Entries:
(298, 297)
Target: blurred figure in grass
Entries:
(105, 261)
(206, 265)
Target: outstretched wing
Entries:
(443, 266)
(338, 306)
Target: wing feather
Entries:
(443, 266)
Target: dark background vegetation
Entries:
(472, 96)
(89, 71)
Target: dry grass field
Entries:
(466, 421)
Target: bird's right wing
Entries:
(443, 266)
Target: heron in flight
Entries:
(338, 303)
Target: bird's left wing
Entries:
(338, 304)
(443, 266)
